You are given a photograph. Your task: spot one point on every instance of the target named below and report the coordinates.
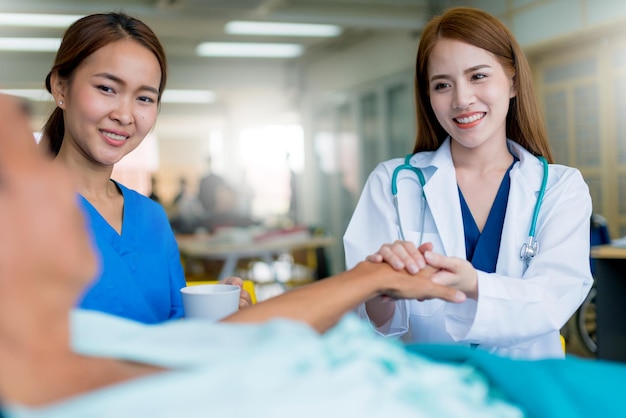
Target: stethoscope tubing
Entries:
(542, 191)
(527, 251)
(394, 191)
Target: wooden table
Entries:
(610, 282)
(205, 247)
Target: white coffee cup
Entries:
(210, 301)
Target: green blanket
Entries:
(571, 388)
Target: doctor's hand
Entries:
(454, 272)
(402, 255)
(244, 297)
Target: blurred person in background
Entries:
(220, 202)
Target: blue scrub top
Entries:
(482, 249)
(141, 273)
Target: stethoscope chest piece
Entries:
(529, 250)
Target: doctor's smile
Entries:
(465, 122)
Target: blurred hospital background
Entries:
(293, 119)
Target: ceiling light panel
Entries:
(37, 20)
(30, 44)
(239, 27)
(187, 96)
(251, 50)
(169, 95)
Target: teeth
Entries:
(470, 119)
(114, 136)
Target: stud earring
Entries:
(60, 102)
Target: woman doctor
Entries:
(480, 133)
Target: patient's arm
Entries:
(323, 303)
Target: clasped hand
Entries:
(452, 271)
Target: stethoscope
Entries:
(529, 249)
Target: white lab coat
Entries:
(520, 310)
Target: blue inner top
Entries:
(482, 249)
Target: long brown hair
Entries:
(524, 122)
(83, 38)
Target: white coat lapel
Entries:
(526, 179)
(443, 201)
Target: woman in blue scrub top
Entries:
(107, 81)
(479, 133)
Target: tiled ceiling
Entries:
(181, 24)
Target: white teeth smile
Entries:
(470, 119)
(114, 136)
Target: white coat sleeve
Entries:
(513, 310)
(373, 224)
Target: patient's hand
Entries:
(244, 297)
(402, 255)
(401, 285)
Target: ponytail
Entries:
(53, 131)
